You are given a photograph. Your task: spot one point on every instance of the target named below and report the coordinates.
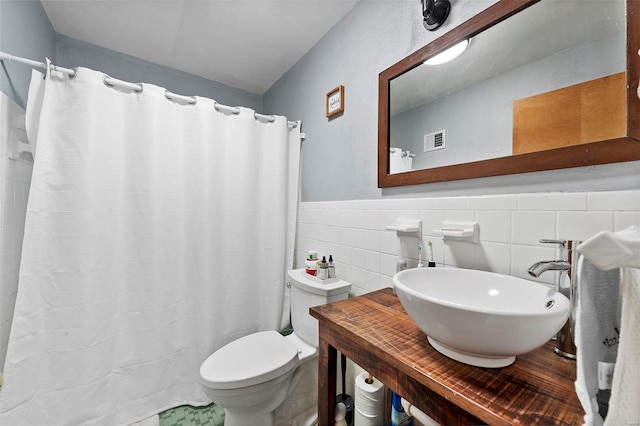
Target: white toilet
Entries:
(266, 378)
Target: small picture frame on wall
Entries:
(335, 102)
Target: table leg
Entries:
(327, 357)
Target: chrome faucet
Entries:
(567, 285)
(538, 268)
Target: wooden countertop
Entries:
(375, 332)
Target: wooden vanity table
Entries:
(375, 332)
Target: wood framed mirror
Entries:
(586, 113)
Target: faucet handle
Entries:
(561, 243)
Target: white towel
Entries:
(396, 164)
(609, 250)
(597, 325)
(624, 406)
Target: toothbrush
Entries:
(420, 264)
(431, 263)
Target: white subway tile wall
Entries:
(510, 229)
(14, 192)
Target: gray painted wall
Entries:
(74, 53)
(339, 156)
(25, 31)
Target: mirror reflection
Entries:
(550, 76)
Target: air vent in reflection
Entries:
(433, 141)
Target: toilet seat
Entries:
(305, 350)
(248, 361)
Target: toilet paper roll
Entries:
(360, 419)
(369, 402)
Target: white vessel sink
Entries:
(480, 318)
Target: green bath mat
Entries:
(186, 415)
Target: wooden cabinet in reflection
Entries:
(588, 112)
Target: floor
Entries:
(186, 415)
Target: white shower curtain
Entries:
(156, 232)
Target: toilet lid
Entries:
(248, 361)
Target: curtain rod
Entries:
(137, 87)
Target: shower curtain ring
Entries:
(136, 87)
(56, 68)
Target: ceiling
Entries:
(246, 44)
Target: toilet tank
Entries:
(306, 293)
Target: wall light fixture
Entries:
(434, 13)
(449, 54)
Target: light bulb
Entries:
(449, 54)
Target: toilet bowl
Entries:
(265, 376)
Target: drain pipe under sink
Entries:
(420, 415)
